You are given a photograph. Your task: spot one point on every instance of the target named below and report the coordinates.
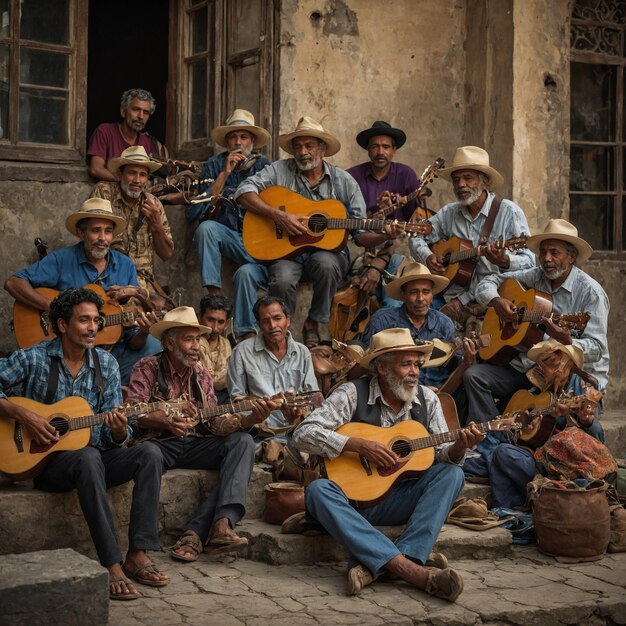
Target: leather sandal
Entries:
(188, 539)
(122, 596)
(358, 577)
(140, 575)
(446, 584)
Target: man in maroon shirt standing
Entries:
(109, 140)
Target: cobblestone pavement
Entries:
(527, 589)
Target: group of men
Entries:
(177, 366)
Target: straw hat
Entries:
(563, 231)
(394, 340)
(177, 318)
(135, 155)
(550, 345)
(95, 208)
(474, 158)
(442, 352)
(308, 127)
(414, 271)
(240, 119)
(381, 128)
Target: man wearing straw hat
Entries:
(390, 396)
(308, 174)
(91, 261)
(473, 180)
(147, 229)
(219, 232)
(559, 250)
(212, 443)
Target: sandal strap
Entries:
(189, 540)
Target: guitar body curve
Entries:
(366, 484)
(507, 341)
(532, 435)
(20, 456)
(459, 273)
(264, 242)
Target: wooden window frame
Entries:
(74, 152)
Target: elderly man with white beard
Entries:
(479, 216)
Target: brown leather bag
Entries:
(282, 500)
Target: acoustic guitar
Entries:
(326, 221)
(32, 325)
(365, 484)
(460, 257)
(509, 338)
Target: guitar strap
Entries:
(53, 378)
(164, 388)
(371, 413)
(491, 218)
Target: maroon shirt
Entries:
(107, 142)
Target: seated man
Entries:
(70, 366)
(271, 362)
(219, 232)
(215, 349)
(512, 467)
(109, 140)
(478, 216)
(308, 174)
(558, 250)
(91, 261)
(415, 287)
(190, 441)
(147, 229)
(390, 396)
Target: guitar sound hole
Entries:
(318, 223)
(401, 448)
(60, 424)
(446, 260)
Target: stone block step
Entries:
(269, 545)
(614, 425)
(52, 587)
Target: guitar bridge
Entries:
(279, 230)
(44, 322)
(366, 465)
(17, 437)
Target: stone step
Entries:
(614, 425)
(269, 545)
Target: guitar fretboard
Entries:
(86, 421)
(447, 437)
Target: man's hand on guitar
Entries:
(470, 350)
(470, 437)
(41, 431)
(373, 451)
(290, 224)
(562, 335)
(435, 264)
(261, 409)
(117, 422)
(505, 309)
(497, 256)
(394, 229)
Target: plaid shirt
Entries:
(138, 245)
(29, 370)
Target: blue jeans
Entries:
(422, 503)
(126, 358)
(380, 293)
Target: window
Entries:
(42, 54)
(598, 133)
(222, 53)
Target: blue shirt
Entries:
(30, 369)
(436, 325)
(212, 169)
(69, 268)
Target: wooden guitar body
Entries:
(508, 339)
(350, 313)
(532, 435)
(458, 273)
(264, 241)
(20, 456)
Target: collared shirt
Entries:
(212, 169)
(437, 325)
(400, 179)
(107, 142)
(254, 371)
(143, 387)
(69, 268)
(29, 370)
(316, 434)
(216, 361)
(454, 220)
(138, 245)
(579, 293)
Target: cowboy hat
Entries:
(135, 155)
(474, 158)
(308, 127)
(552, 345)
(95, 208)
(442, 352)
(563, 231)
(177, 318)
(414, 271)
(240, 119)
(394, 340)
(381, 128)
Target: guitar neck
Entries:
(124, 317)
(447, 437)
(223, 409)
(465, 255)
(343, 223)
(87, 421)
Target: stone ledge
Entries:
(53, 587)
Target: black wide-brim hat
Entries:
(381, 128)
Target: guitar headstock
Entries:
(514, 243)
(430, 173)
(505, 423)
(574, 321)
(423, 227)
(310, 399)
